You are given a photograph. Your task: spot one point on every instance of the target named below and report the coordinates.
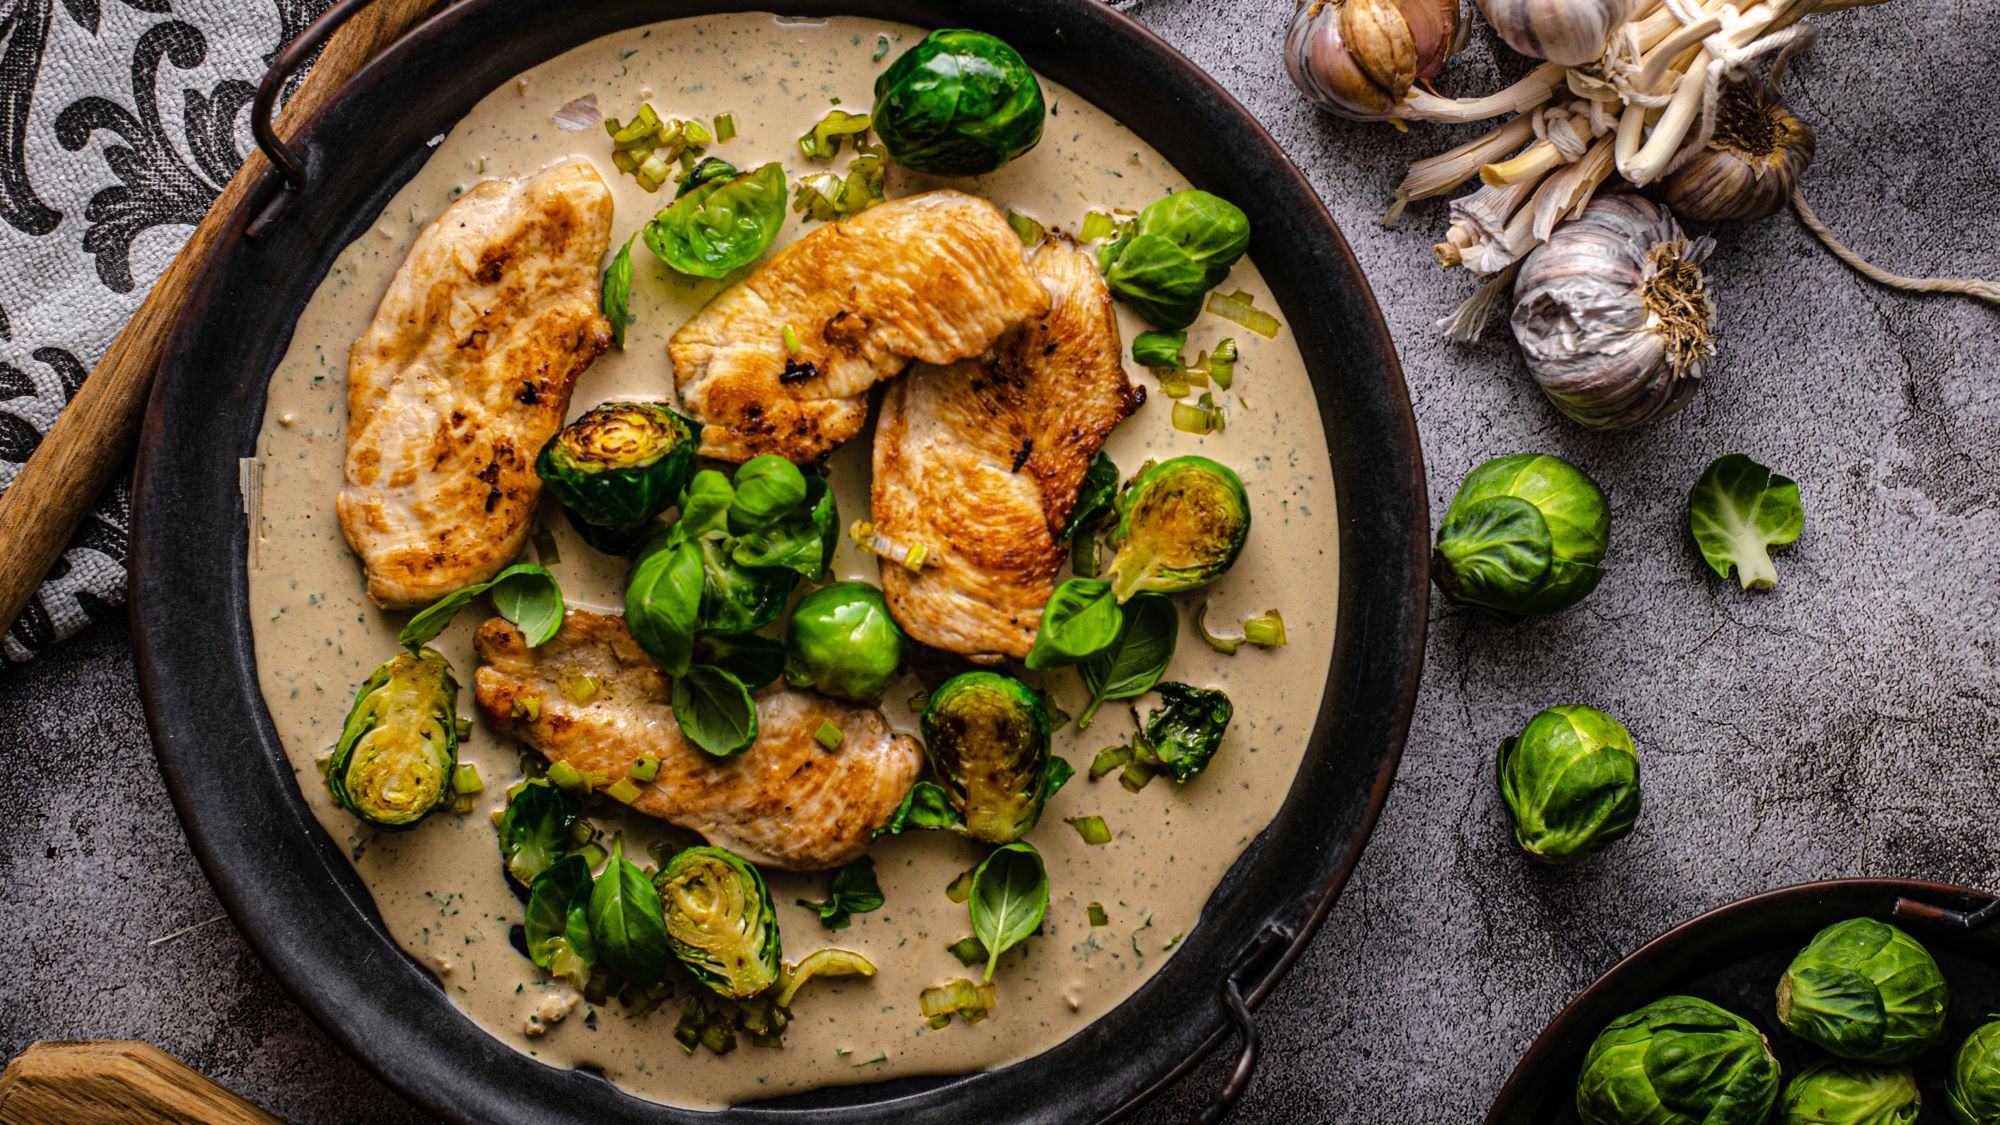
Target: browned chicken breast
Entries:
(980, 463)
(936, 277)
(464, 374)
(787, 801)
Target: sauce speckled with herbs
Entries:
(441, 888)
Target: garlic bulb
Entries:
(1613, 315)
(1565, 32)
(1359, 58)
(1749, 166)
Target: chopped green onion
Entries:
(863, 534)
(1225, 645)
(1108, 759)
(1242, 308)
(1158, 349)
(913, 559)
(1097, 226)
(593, 854)
(828, 735)
(1135, 776)
(465, 779)
(828, 962)
(654, 170)
(881, 47)
(920, 700)
(622, 791)
(527, 707)
(1091, 828)
(1198, 418)
(1174, 384)
(514, 790)
(1221, 363)
(545, 547)
(581, 833)
(578, 687)
(822, 142)
(562, 775)
(463, 803)
(645, 769)
(725, 127)
(642, 1001)
(1265, 631)
(1097, 915)
(696, 135)
(971, 1002)
(822, 196)
(1028, 230)
(791, 338)
(968, 950)
(961, 887)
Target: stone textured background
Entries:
(1842, 724)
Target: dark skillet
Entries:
(288, 886)
(1734, 956)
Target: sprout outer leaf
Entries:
(1737, 511)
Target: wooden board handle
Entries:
(115, 1082)
(94, 434)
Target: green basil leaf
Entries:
(1010, 894)
(532, 599)
(663, 603)
(1131, 666)
(1737, 511)
(1081, 620)
(705, 506)
(617, 293)
(855, 891)
(757, 661)
(768, 488)
(558, 908)
(801, 542)
(534, 831)
(1093, 498)
(715, 710)
(924, 807)
(626, 923)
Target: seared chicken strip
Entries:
(787, 801)
(464, 374)
(936, 277)
(980, 462)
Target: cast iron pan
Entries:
(1733, 956)
(288, 886)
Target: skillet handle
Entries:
(296, 54)
(1255, 963)
(1918, 911)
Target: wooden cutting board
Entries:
(115, 1082)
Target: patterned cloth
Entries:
(120, 121)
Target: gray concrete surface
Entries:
(1843, 724)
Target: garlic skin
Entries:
(1748, 168)
(1359, 58)
(1613, 315)
(1564, 32)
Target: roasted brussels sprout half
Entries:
(720, 921)
(620, 464)
(1177, 250)
(1571, 781)
(399, 745)
(1864, 990)
(1678, 1061)
(987, 737)
(959, 103)
(1180, 526)
(842, 642)
(1523, 536)
(1972, 1088)
(1837, 1092)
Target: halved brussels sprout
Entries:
(620, 463)
(987, 737)
(1837, 1092)
(1523, 536)
(720, 921)
(1181, 524)
(1678, 1061)
(399, 745)
(1972, 1088)
(1571, 781)
(1864, 990)
(959, 103)
(842, 642)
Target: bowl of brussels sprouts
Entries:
(1848, 1002)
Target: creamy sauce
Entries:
(440, 888)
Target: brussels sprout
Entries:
(620, 464)
(1678, 1061)
(534, 831)
(739, 599)
(1523, 536)
(1833, 1092)
(842, 642)
(987, 737)
(1571, 781)
(1182, 736)
(1972, 1089)
(959, 103)
(720, 921)
(720, 225)
(1181, 524)
(399, 745)
(1177, 250)
(1864, 990)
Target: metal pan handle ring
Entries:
(294, 55)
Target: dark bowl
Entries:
(292, 891)
(1733, 957)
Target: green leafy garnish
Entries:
(625, 921)
(1010, 894)
(556, 924)
(721, 225)
(1138, 658)
(715, 710)
(1737, 511)
(618, 293)
(1159, 349)
(1081, 619)
(525, 593)
(925, 806)
(534, 831)
(854, 891)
